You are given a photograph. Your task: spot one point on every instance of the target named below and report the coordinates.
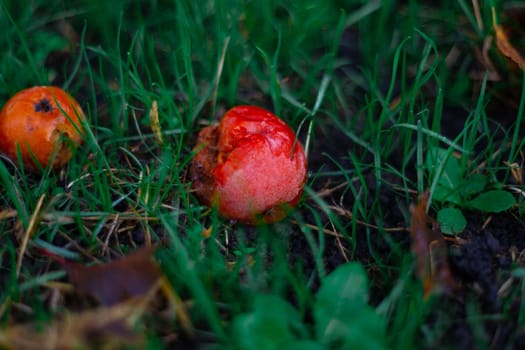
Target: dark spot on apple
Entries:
(44, 105)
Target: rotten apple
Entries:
(251, 166)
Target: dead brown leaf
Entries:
(113, 282)
(430, 249)
(130, 276)
(506, 48)
(105, 327)
(503, 44)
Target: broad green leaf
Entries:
(258, 331)
(451, 221)
(343, 319)
(439, 163)
(304, 345)
(492, 201)
(272, 324)
(364, 329)
(347, 284)
(474, 184)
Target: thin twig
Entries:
(348, 214)
(324, 230)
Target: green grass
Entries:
(367, 86)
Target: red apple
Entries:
(251, 166)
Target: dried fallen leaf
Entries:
(110, 327)
(130, 276)
(430, 249)
(116, 281)
(504, 46)
(206, 232)
(516, 170)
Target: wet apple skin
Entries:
(257, 166)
